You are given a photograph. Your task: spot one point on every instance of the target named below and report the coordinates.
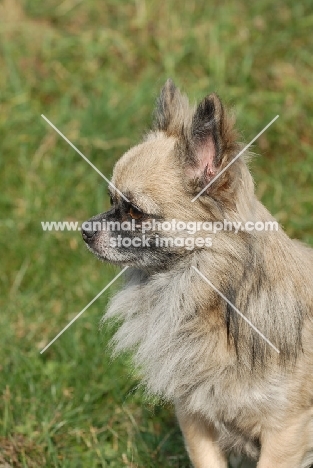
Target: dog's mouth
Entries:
(149, 257)
(133, 245)
(106, 256)
(105, 247)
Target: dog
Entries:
(220, 325)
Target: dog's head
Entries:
(157, 180)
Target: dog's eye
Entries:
(134, 212)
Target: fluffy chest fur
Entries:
(184, 355)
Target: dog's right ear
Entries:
(209, 143)
(171, 109)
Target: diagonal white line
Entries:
(84, 157)
(85, 308)
(235, 309)
(235, 158)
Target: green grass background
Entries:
(94, 69)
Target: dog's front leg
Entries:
(201, 441)
(286, 447)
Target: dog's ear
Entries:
(209, 142)
(206, 136)
(171, 109)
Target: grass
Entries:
(94, 69)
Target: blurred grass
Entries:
(94, 69)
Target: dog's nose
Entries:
(87, 231)
(88, 235)
(90, 228)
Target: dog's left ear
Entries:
(172, 108)
(208, 141)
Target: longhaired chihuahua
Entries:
(219, 321)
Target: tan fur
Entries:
(231, 390)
